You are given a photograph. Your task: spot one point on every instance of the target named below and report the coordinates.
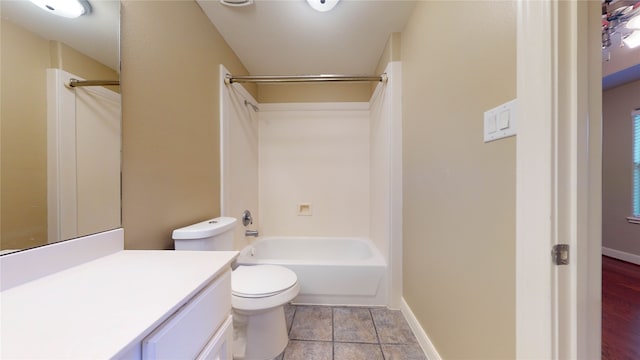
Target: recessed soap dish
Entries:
(304, 209)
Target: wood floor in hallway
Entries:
(620, 310)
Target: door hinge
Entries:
(560, 254)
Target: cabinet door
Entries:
(220, 345)
(187, 331)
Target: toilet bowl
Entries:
(258, 293)
(257, 298)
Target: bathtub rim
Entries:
(375, 260)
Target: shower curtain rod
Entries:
(273, 79)
(77, 83)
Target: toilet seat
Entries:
(259, 288)
(261, 281)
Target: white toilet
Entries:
(259, 292)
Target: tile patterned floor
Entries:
(348, 333)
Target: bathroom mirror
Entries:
(87, 47)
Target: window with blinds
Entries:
(636, 163)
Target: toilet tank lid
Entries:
(205, 228)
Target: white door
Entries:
(558, 179)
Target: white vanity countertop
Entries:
(101, 308)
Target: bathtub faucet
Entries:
(251, 233)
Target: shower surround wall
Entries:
(239, 156)
(385, 177)
(318, 169)
(314, 157)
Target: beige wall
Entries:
(24, 138)
(171, 165)
(309, 93)
(329, 92)
(459, 193)
(390, 53)
(617, 147)
(68, 59)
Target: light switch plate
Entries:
(500, 122)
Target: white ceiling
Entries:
(96, 34)
(623, 66)
(288, 37)
(271, 37)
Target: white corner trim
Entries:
(621, 255)
(425, 343)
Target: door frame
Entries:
(558, 179)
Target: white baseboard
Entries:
(621, 255)
(424, 341)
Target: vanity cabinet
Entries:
(131, 304)
(220, 345)
(199, 329)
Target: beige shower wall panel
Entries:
(319, 158)
(240, 161)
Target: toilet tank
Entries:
(214, 234)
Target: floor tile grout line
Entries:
(333, 341)
(357, 342)
(293, 317)
(307, 340)
(333, 336)
(375, 327)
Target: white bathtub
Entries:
(334, 271)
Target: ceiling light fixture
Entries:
(236, 2)
(65, 8)
(620, 24)
(323, 5)
(634, 23)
